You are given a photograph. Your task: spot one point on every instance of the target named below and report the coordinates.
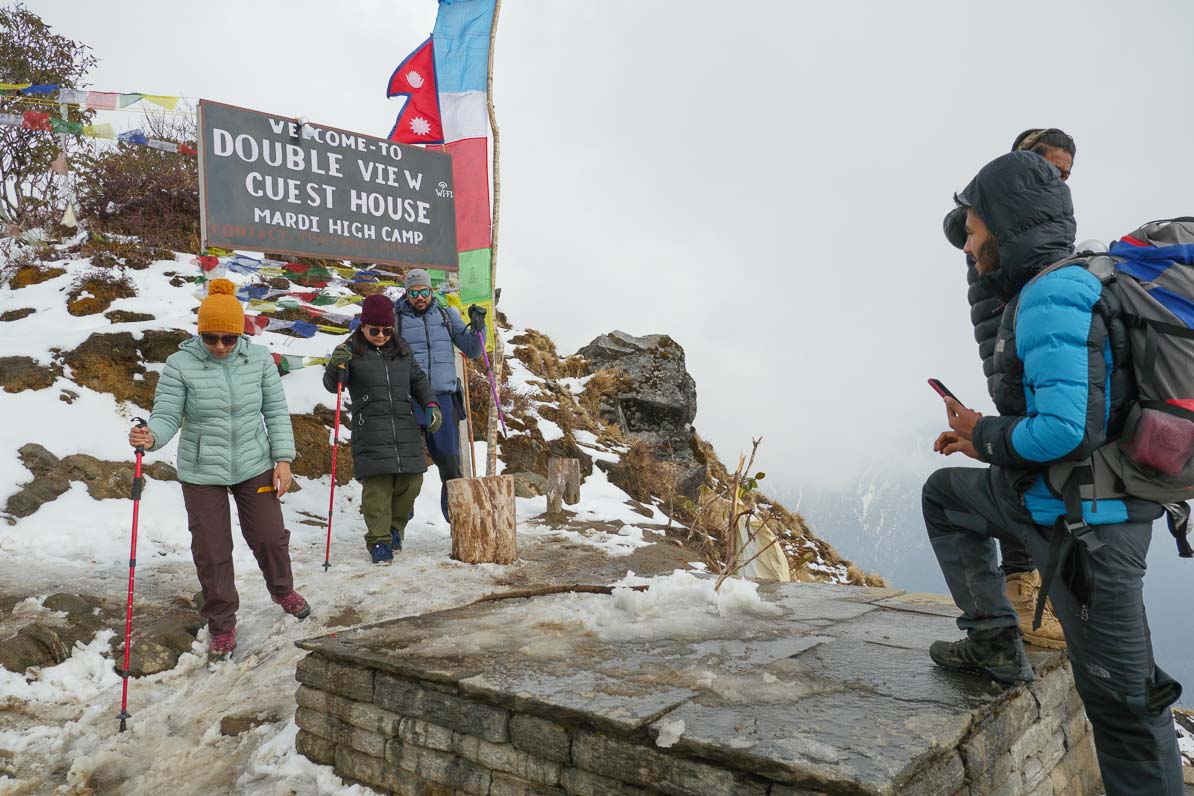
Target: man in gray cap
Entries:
(435, 331)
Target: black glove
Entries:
(476, 317)
(955, 227)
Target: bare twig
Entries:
(540, 591)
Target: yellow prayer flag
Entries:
(14, 86)
(100, 131)
(162, 100)
(68, 218)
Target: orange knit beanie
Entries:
(220, 311)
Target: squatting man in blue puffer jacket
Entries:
(1056, 338)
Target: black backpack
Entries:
(1151, 275)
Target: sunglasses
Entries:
(424, 292)
(378, 331)
(228, 340)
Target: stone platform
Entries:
(832, 694)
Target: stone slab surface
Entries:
(836, 688)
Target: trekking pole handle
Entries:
(139, 422)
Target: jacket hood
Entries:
(1022, 200)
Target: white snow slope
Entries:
(58, 726)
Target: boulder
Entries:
(655, 401)
(52, 477)
(25, 373)
(16, 315)
(156, 345)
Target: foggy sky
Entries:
(763, 181)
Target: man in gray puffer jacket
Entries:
(988, 296)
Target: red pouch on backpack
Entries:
(1161, 441)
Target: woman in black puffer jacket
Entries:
(382, 378)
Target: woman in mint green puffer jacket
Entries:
(220, 405)
(226, 396)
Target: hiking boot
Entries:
(396, 540)
(381, 554)
(1022, 590)
(221, 645)
(294, 605)
(998, 653)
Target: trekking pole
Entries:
(468, 420)
(492, 383)
(335, 448)
(138, 482)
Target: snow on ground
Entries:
(60, 722)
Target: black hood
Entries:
(1022, 200)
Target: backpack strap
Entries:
(1071, 525)
(1177, 516)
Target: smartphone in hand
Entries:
(941, 389)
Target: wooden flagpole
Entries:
(498, 359)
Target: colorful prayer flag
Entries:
(72, 96)
(100, 131)
(133, 137)
(461, 34)
(45, 88)
(14, 86)
(37, 120)
(125, 100)
(64, 126)
(419, 120)
(102, 100)
(162, 101)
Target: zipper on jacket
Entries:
(390, 392)
(231, 422)
(427, 334)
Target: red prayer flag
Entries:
(208, 262)
(255, 324)
(419, 121)
(37, 120)
(470, 184)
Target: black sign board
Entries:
(272, 184)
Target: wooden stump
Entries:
(482, 511)
(563, 484)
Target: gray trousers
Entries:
(1127, 697)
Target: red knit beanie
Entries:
(377, 310)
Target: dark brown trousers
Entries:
(210, 523)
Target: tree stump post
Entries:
(563, 484)
(483, 519)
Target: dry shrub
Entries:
(104, 287)
(134, 254)
(137, 190)
(604, 383)
(23, 265)
(538, 353)
(573, 367)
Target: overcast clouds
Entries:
(763, 181)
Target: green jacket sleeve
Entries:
(168, 401)
(277, 416)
